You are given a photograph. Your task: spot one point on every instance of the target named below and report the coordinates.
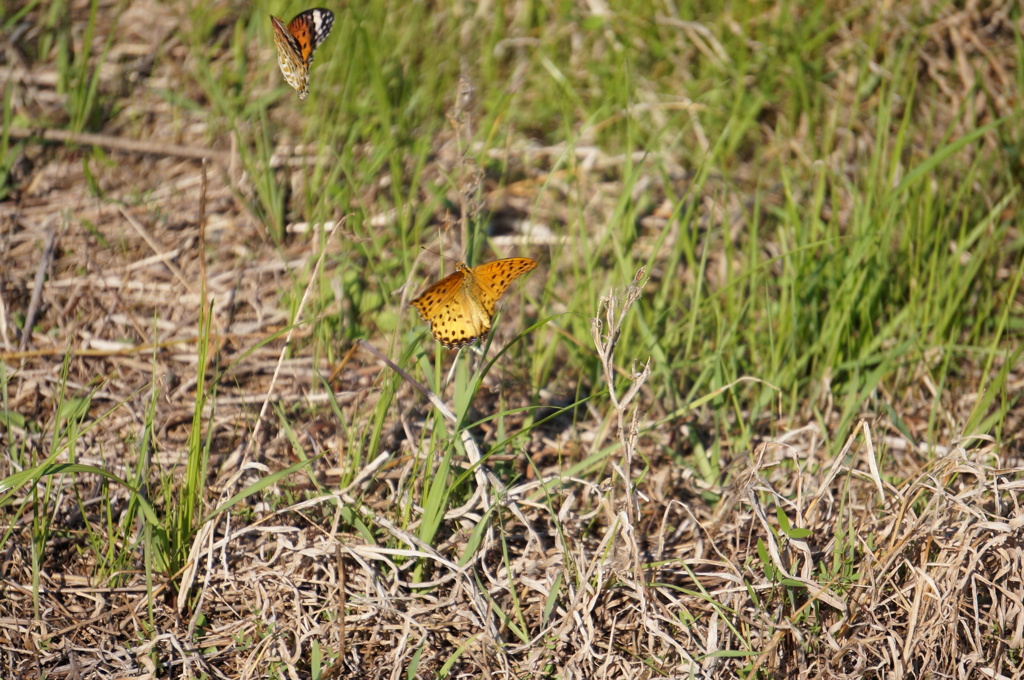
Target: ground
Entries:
(755, 414)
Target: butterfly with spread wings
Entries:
(460, 307)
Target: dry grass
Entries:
(937, 558)
(894, 558)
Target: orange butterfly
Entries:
(297, 42)
(459, 307)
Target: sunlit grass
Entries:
(817, 250)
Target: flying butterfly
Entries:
(297, 41)
(459, 307)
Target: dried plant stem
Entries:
(37, 289)
(605, 334)
(461, 119)
(121, 144)
(291, 331)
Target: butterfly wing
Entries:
(459, 307)
(310, 28)
(297, 42)
(289, 58)
(455, 318)
(492, 279)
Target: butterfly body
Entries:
(460, 306)
(296, 42)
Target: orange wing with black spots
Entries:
(459, 307)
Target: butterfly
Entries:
(459, 307)
(297, 42)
